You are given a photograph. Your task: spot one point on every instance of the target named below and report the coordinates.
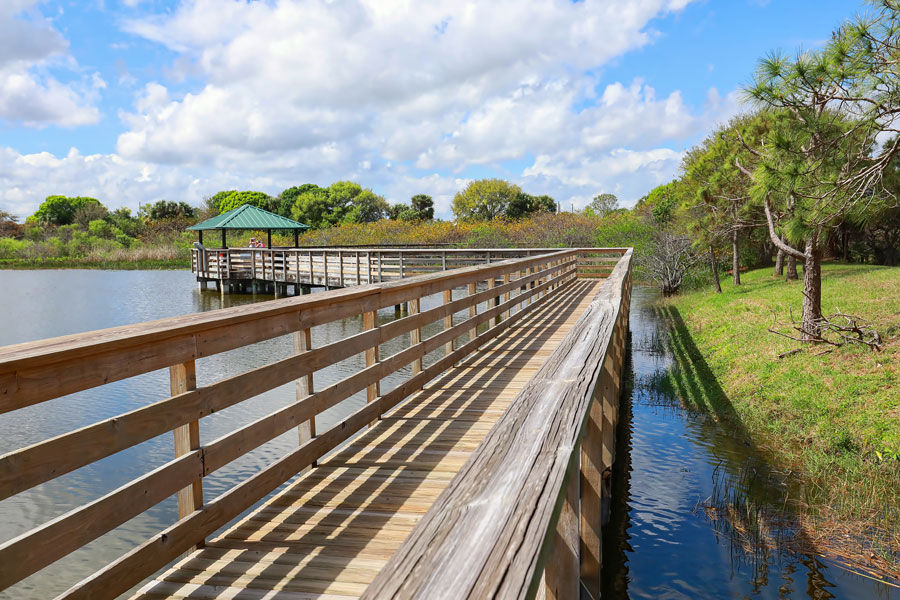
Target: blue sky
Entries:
(135, 101)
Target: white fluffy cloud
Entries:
(29, 95)
(403, 97)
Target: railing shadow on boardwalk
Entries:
(398, 481)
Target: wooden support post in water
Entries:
(307, 429)
(373, 390)
(473, 311)
(183, 378)
(448, 322)
(561, 571)
(415, 336)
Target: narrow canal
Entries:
(693, 500)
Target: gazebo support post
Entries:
(269, 236)
(296, 238)
(224, 243)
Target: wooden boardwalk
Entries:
(333, 529)
(478, 466)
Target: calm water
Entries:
(690, 497)
(42, 304)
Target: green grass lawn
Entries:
(835, 417)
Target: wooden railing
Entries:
(524, 512)
(348, 266)
(498, 294)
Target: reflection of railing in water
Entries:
(236, 268)
(568, 407)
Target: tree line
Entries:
(810, 171)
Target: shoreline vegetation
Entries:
(828, 420)
(167, 245)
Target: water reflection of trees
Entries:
(750, 504)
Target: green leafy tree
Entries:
(60, 210)
(423, 205)
(288, 197)
(367, 207)
(821, 168)
(717, 192)
(238, 199)
(484, 199)
(162, 210)
(603, 204)
(313, 207)
(398, 209)
(524, 205)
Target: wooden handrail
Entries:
(392, 263)
(511, 510)
(37, 371)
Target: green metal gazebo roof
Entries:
(248, 216)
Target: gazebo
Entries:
(249, 217)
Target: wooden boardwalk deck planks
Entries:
(329, 533)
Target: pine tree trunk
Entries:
(791, 269)
(812, 290)
(735, 258)
(779, 263)
(715, 269)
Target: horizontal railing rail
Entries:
(496, 295)
(524, 512)
(331, 267)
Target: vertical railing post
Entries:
(358, 280)
(415, 336)
(341, 268)
(528, 286)
(473, 311)
(325, 266)
(183, 378)
(380, 272)
(443, 261)
(492, 282)
(507, 277)
(448, 321)
(368, 267)
(373, 390)
(561, 570)
(400, 255)
(306, 430)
